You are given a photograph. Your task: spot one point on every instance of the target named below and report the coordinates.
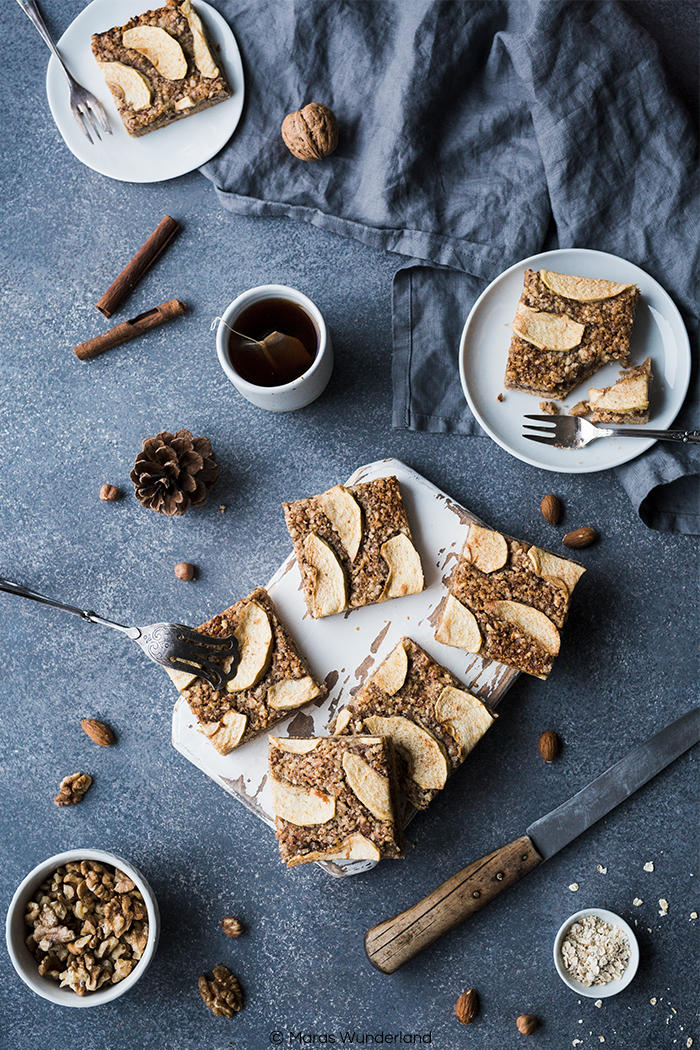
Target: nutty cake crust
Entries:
(167, 95)
(516, 600)
(383, 518)
(416, 700)
(218, 711)
(606, 337)
(331, 773)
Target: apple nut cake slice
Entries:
(565, 329)
(432, 720)
(271, 681)
(335, 799)
(159, 67)
(508, 601)
(353, 546)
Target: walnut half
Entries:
(223, 994)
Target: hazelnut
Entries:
(580, 538)
(231, 926)
(467, 1006)
(108, 493)
(310, 133)
(184, 570)
(526, 1024)
(548, 745)
(551, 509)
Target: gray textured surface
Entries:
(627, 667)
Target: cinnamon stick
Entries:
(134, 270)
(129, 329)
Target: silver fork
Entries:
(87, 110)
(575, 432)
(169, 644)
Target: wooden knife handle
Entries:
(392, 943)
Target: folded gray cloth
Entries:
(474, 133)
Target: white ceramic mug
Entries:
(301, 391)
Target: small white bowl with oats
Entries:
(97, 921)
(596, 953)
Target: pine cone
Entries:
(173, 472)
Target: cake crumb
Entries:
(638, 902)
(550, 408)
(574, 886)
(579, 409)
(500, 398)
(602, 870)
(663, 906)
(649, 866)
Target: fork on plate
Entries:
(575, 432)
(171, 645)
(87, 110)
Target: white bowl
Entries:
(597, 991)
(302, 390)
(26, 965)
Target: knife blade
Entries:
(392, 943)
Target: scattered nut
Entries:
(89, 926)
(72, 789)
(184, 570)
(98, 731)
(310, 133)
(551, 509)
(108, 493)
(223, 994)
(580, 538)
(548, 745)
(526, 1024)
(232, 927)
(467, 1006)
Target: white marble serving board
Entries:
(344, 649)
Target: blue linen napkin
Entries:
(474, 133)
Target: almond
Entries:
(526, 1024)
(467, 1006)
(98, 731)
(580, 538)
(548, 745)
(551, 509)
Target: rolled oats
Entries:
(649, 866)
(595, 952)
(89, 926)
(663, 906)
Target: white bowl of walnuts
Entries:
(82, 927)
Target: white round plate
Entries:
(658, 333)
(159, 155)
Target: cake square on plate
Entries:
(565, 329)
(159, 67)
(433, 721)
(335, 799)
(508, 601)
(353, 546)
(271, 681)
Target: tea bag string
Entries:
(216, 321)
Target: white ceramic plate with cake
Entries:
(658, 333)
(158, 155)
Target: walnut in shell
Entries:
(311, 133)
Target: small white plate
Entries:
(159, 155)
(658, 333)
(597, 991)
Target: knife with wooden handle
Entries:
(392, 943)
